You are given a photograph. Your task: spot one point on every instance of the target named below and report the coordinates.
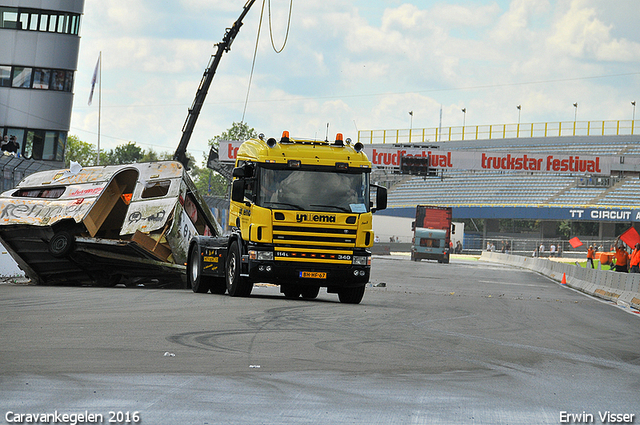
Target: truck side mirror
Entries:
(238, 172)
(381, 198)
(237, 189)
(413, 226)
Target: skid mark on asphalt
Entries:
(513, 284)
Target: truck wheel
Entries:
(351, 295)
(198, 283)
(218, 286)
(310, 292)
(61, 244)
(291, 291)
(236, 285)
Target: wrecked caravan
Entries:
(104, 225)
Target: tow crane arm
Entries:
(224, 46)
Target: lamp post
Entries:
(464, 120)
(633, 116)
(519, 110)
(575, 116)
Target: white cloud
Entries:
(369, 62)
(580, 33)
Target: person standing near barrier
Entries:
(634, 260)
(622, 259)
(590, 256)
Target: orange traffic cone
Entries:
(564, 279)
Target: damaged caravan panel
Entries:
(104, 225)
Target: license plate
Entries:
(314, 275)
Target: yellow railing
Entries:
(501, 131)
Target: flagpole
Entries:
(99, 105)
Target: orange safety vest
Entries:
(635, 258)
(590, 253)
(621, 257)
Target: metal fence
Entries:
(538, 247)
(15, 168)
(501, 131)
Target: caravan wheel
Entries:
(61, 244)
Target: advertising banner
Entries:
(388, 157)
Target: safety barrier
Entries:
(621, 288)
(501, 131)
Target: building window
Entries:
(60, 148)
(47, 145)
(36, 78)
(19, 133)
(44, 20)
(41, 78)
(57, 81)
(9, 17)
(5, 76)
(21, 18)
(33, 21)
(21, 77)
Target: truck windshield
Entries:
(313, 190)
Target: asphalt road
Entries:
(467, 342)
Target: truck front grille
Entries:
(314, 244)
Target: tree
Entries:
(208, 181)
(151, 155)
(81, 152)
(122, 154)
(238, 131)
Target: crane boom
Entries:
(190, 123)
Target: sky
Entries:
(352, 65)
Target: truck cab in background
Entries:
(432, 232)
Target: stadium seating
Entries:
(464, 187)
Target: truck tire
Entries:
(61, 244)
(351, 295)
(309, 292)
(236, 285)
(291, 292)
(196, 280)
(218, 285)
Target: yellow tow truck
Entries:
(302, 218)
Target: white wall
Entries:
(386, 226)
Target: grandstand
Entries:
(457, 187)
(609, 198)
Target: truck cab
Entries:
(432, 231)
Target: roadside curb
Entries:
(622, 288)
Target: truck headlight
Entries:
(361, 261)
(265, 255)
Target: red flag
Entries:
(575, 242)
(630, 237)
